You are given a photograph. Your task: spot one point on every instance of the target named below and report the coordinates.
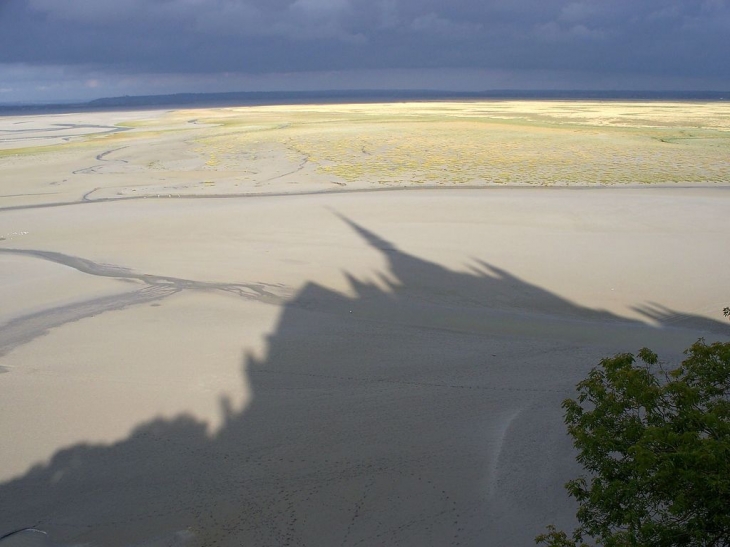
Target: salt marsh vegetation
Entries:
(304, 148)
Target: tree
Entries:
(656, 448)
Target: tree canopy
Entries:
(655, 445)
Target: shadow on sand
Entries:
(425, 414)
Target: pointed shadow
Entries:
(423, 410)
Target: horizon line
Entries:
(283, 97)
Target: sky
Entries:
(65, 50)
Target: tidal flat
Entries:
(306, 148)
(337, 324)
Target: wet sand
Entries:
(379, 367)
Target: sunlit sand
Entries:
(347, 324)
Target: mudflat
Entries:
(347, 324)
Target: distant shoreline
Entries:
(262, 98)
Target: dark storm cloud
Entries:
(664, 37)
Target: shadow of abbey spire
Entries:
(423, 410)
(492, 301)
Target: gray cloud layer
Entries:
(678, 38)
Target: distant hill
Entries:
(244, 98)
